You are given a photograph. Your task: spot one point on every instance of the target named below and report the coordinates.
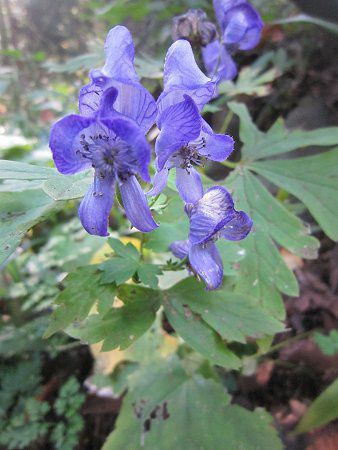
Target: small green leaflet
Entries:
(120, 327)
(82, 291)
(167, 409)
(126, 262)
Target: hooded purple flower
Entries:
(241, 27)
(108, 135)
(115, 146)
(185, 139)
(134, 100)
(211, 217)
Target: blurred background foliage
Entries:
(47, 49)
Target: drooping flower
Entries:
(115, 146)
(211, 217)
(133, 101)
(240, 23)
(241, 27)
(185, 138)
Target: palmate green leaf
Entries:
(322, 411)
(82, 291)
(121, 326)
(263, 273)
(199, 335)
(278, 140)
(312, 179)
(235, 317)
(166, 409)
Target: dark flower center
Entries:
(189, 155)
(109, 155)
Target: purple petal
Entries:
(183, 76)
(206, 261)
(237, 228)
(138, 151)
(217, 147)
(96, 205)
(159, 182)
(135, 205)
(119, 49)
(64, 143)
(133, 100)
(218, 62)
(210, 214)
(189, 184)
(107, 103)
(136, 102)
(91, 94)
(179, 124)
(242, 26)
(180, 249)
(222, 6)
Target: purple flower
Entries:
(182, 76)
(185, 139)
(211, 217)
(115, 146)
(241, 28)
(218, 61)
(240, 23)
(134, 100)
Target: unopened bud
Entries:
(195, 27)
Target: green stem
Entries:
(226, 122)
(230, 164)
(282, 344)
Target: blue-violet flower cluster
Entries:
(108, 134)
(240, 29)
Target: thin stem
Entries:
(282, 344)
(230, 164)
(226, 122)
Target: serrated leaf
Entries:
(263, 272)
(82, 290)
(312, 179)
(120, 327)
(274, 219)
(233, 316)
(118, 270)
(125, 251)
(166, 409)
(196, 332)
(322, 411)
(147, 273)
(278, 139)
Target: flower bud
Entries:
(195, 27)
